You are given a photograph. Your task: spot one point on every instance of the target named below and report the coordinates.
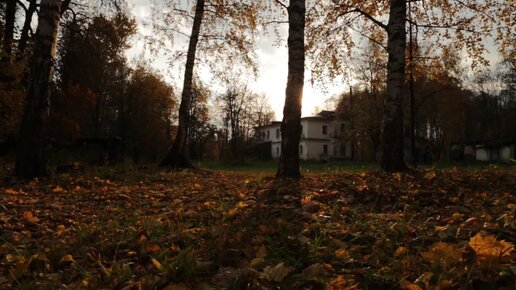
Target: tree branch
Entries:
(281, 3)
(368, 37)
(368, 16)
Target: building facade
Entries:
(323, 138)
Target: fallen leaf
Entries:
(276, 273)
(488, 246)
(28, 216)
(156, 263)
(404, 284)
(400, 251)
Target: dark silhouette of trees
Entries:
(31, 158)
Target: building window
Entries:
(268, 134)
(324, 130)
(325, 149)
(277, 133)
(300, 149)
(301, 131)
(277, 151)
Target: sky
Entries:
(272, 63)
(272, 60)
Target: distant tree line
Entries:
(449, 106)
(95, 94)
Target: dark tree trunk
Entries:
(24, 38)
(10, 19)
(31, 156)
(392, 150)
(177, 156)
(291, 124)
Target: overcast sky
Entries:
(272, 63)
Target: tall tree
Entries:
(31, 158)
(10, 21)
(177, 156)
(291, 123)
(221, 29)
(392, 136)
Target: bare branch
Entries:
(368, 37)
(281, 3)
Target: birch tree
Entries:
(177, 156)
(221, 31)
(31, 159)
(291, 123)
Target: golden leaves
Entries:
(442, 255)
(29, 217)
(156, 263)
(488, 247)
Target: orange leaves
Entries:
(442, 255)
(156, 263)
(400, 251)
(232, 212)
(58, 189)
(488, 247)
(29, 217)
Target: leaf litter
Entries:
(429, 229)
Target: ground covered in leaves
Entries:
(150, 229)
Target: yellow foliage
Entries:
(442, 255)
(489, 247)
(156, 263)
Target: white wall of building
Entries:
(482, 154)
(316, 134)
(313, 128)
(507, 153)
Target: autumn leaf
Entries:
(400, 251)
(60, 230)
(57, 189)
(442, 255)
(306, 199)
(28, 216)
(10, 191)
(488, 246)
(156, 263)
(404, 284)
(276, 273)
(67, 258)
(181, 286)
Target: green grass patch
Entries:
(258, 166)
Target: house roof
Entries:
(323, 115)
(272, 124)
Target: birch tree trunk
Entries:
(177, 156)
(392, 148)
(31, 156)
(291, 124)
(10, 19)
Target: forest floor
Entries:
(150, 229)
